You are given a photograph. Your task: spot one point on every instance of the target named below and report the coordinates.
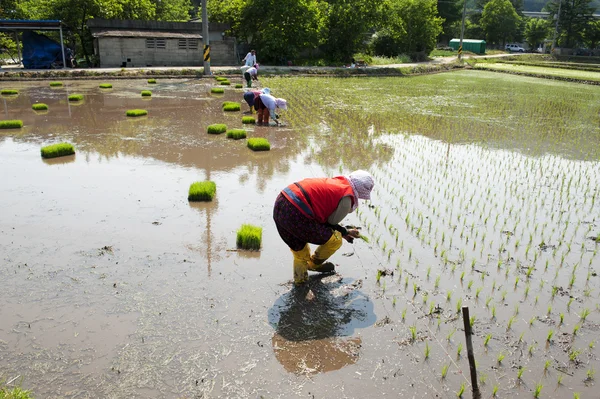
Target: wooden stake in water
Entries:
(471, 356)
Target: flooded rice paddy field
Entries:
(487, 195)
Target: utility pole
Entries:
(205, 38)
(462, 31)
(556, 28)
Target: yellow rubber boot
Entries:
(301, 261)
(323, 252)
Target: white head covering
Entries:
(281, 103)
(362, 183)
(266, 90)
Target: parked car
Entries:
(515, 48)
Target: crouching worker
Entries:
(266, 105)
(250, 97)
(251, 74)
(309, 211)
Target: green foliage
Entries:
(591, 34)
(249, 237)
(231, 106)
(14, 393)
(105, 86)
(259, 144)
(146, 93)
(136, 112)
(75, 97)
(11, 124)
(9, 92)
(536, 31)
(236, 134)
(57, 150)
(202, 191)
(248, 120)
(500, 21)
(217, 128)
(574, 18)
(56, 84)
(39, 107)
(217, 90)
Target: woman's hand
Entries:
(352, 234)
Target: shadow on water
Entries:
(314, 324)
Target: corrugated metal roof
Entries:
(30, 24)
(147, 34)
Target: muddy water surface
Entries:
(114, 285)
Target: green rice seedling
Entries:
(56, 84)
(448, 296)
(537, 391)
(231, 106)
(217, 90)
(249, 237)
(225, 83)
(151, 81)
(547, 365)
(584, 314)
(413, 333)
(239, 85)
(500, 357)
(363, 237)
(549, 310)
(57, 150)
(510, 322)
(146, 93)
(105, 86)
(516, 281)
(521, 337)
(487, 340)
(39, 107)
(559, 379)
(493, 311)
(590, 374)
(569, 302)
(530, 349)
(516, 309)
(459, 349)
(487, 301)
(526, 293)
(462, 276)
(11, 124)
(428, 272)
(427, 350)
(217, 128)
(470, 284)
(504, 292)
(461, 391)
(136, 112)
(549, 336)
(520, 373)
(450, 334)
(573, 354)
(248, 120)
(495, 391)
(531, 321)
(220, 78)
(394, 301)
(458, 305)
(404, 314)
(576, 395)
(478, 291)
(378, 276)
(472, 320)
(431, 308)
(445, 370)
(259, 144)
(9, 92)
(592, 344)
(236, 134)
(202, 191)
(76, 97)
(576, 329)
(562, 319)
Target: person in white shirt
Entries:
(265, 106)
(250, 58)
(250, 75)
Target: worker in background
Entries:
(250, 58)
(309, 211)
(251, 74)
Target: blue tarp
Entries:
(41, 52)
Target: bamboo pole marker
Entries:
(471, 356)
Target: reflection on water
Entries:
(312, 320)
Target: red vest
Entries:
(317, 198)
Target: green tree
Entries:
(500, 21)
(591, 34)
(173, 10)
(574, 18)
(280, 29)
(228, 12)
(451, 12)
(536, 31)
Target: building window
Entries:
(182, 44)
(187, 44)
(154, 42)
(161, 43)
(150, 42)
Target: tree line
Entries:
(330, 31)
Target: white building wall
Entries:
(132, 52)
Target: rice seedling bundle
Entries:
(57, 150)
(231, 106)
(39, 107)
(249, 237)
(146, 93)
(9, 92)
(202, 191)
(105, 86)
(56, 84)
(217, 128)
(75, 97)
(259, 144)
(136, 112)
(11, 124)
(248, 120)
(151, 81)
(225, 83)
(217, 90)
(236, 134)
(220, 78)
(239, 85)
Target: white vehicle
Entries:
(515, 48)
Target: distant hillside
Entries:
(537, 5)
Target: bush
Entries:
(11, 124)
(231, 106)
(105, 86)
(56, 84)
(146, 93)
(39, 107)
(225, 83)
(202, 191)
(259, 144)
(217, 90)
(9, 92)
(217, 128)
(236, 134)
(75, 97)
(248, 120)
(249, 237)
(151, 81)
(136, 112)
(57, 150)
